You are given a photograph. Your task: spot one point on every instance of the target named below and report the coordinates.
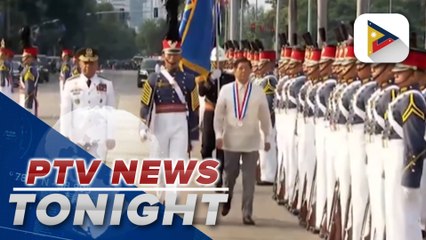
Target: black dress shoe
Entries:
(248, 221)
(315, 230)
(226, 208)
(295, 212)
(262, 183)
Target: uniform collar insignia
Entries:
(366, 80)
(410, 87)
(386, 83)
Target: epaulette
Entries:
(73, 77)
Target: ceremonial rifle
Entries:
(311, 218)
(366, 223)
(347, 233)
(335, 224)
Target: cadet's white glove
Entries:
(143, 132)
(215, 75)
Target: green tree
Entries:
(150, 36)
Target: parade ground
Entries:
(272, 221)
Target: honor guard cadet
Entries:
(325, 183)
(281, 124)
(297, 81)
(301, 138)
(349, 75)
(336, 130)
(380, 107)
(357, 153)
(268, 82)
(279, 120)
(209, 89)
(406, 114)
(66, 71)
(169, 99)
(87, 104)
(6, 83)
(375, 151)
(312, 67)
(29, 75)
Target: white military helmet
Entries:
(221, 53)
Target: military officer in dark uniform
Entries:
(406, 114)
(209, 88)
(281, 124)
(29, 75)
(169, 99)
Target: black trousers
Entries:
(208, 143)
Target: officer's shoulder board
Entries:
(415, 106)
(73, 78)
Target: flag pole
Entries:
(216, 17)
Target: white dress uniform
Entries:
(302, 163)
(280, 127)
(331, 152)
(87, 113)
(322, 136)
(380, 162)
(310, 150)
(357, 155)
(374, 152)
(290, 154)
(343, 155)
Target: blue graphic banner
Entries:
(23, 137)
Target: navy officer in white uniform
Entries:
(87, 106)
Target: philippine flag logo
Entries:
(378, 38)
(381, 38)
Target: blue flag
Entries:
(197, 32)
(24, 136)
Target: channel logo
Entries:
(381, 38)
